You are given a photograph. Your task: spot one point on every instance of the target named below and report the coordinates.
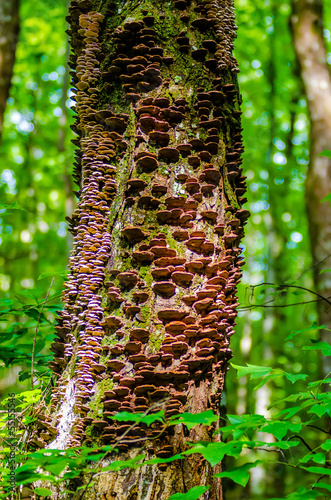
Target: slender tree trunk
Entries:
(307, 29)
(150, 304)
(9, 27)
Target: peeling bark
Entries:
(307, 29)
(9, 27)
(150, 303)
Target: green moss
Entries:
(95, 404)
(155, 340)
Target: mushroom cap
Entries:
(147, 163)
(133, 346)
(136, 184)
(134, 233)
(182, 278)
(164, 288)
(167, 315)
(168, 154)
(128, 278)
(175, 327)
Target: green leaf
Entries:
(301, 494)
(13, 206)
(318, 470)
(123, 464)
(325, 271)
(266, 379)
(320, 484)
(314, 326)
(323, 346)
(326, 153)
(153, 461)
(327, 445)
(43, 492)
(294, 378)
(63, 274)
(125, 416)
(321, 409)
(214, 452)
(253, 370)
(327, 198)
(242, 424)
(192, 494)
(284, 445)
(240, 474)
(318, 458)
(280, 428)
(192, 419)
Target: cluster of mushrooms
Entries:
(150, 302)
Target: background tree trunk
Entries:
(307, 29)
(9, 27)
(150, 304)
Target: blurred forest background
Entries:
(35, 179)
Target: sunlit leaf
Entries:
(240, 474)
(192, 494)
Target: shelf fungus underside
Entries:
(150, 301)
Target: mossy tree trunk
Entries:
(9, 27)
(307, 29)
(150, 303)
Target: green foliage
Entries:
(192, 494)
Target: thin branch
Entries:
(36, 331)
(247, 308)
(294, 286)
(319, 428)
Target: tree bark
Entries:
(307, 29)
(9, 27)
(150, 303)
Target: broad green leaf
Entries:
(318, 458)
(325, 271)
(319, 382)
(139, 417)
(284, 445)
(192, 419)
(242, 424)
(33, 293)
(280, 428)
(266, 379)
(311, 328)
(294, 378)
(63, 274)
(321, 409)
(13, 206)
(323, 346)
(320, 484)
(327, 445)
(253, 370)
(300, 494)
(325, 152)
(289, 412)
(43, 492)
(240, 474)
(214, 452)
(327, 198)
(192, 494)
(123, 464)
(318, 470)
(163, 460)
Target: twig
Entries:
(36, 331)
(293, 286)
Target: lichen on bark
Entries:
(150, 302)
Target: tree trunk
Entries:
(150, 304)
(9, 27)
(307, 29)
